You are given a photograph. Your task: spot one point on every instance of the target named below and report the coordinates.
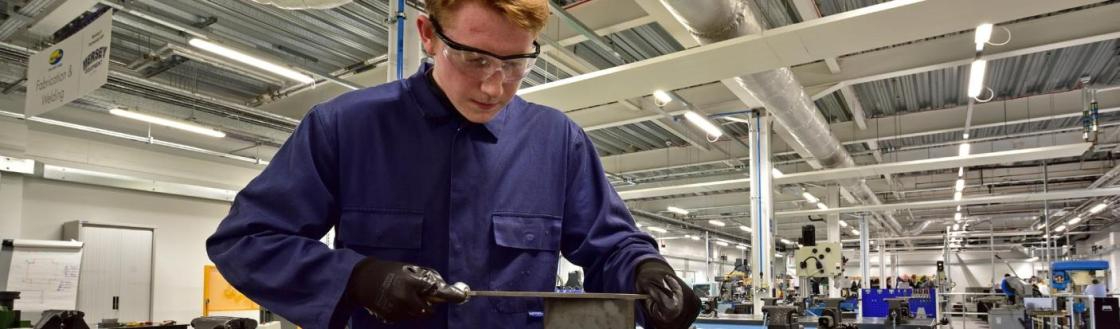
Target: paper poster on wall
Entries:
(46, 274)
(70, 69)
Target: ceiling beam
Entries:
(991, 114)
(836, 35)
(852, 100)
(1036, 35)
(1010, 198)
(740, 181)
(1032, 36)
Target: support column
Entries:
(405, 52)
(864, 261)
(762, 208)
(882, 263)
(832, 200)
(708, 257)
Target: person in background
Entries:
(1096, 289)
(1007, 289)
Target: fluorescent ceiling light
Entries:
(778, 255)
(1097, 208)
(960, 172)
(662, 97)
(741, 247)
(777, 173)
(250, 60)
(744, 228)
(965, 135)
(983, 35)
(717, 223)
(956, 227)
(855, 232)
(657, 229)
(170, 123)
(786, 241)
(1060, 228)
(958, 208)
(676, 210)
(957, 196)
(702, 123)
(976, 77)
(822, 206)
(964, 150)
(809, 197)
(1032, 259)
(957, 217)
(843, 224)
(721, 243)
(694, 237)
(1074, 221)
(960, 184)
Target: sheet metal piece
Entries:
(554, 295)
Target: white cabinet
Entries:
(116, 277)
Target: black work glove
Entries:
(672, 304)
(394, 291)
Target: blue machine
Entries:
(875, 304)
(1069, 271)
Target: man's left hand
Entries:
(672, 304)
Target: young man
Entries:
(445, 173)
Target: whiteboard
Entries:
(45, 273)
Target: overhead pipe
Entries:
(778, 90)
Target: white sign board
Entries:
(69, 69)
(46, 274)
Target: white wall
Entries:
(182, 225)
(35, 208)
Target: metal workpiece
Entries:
(568, 310)
(554, 295)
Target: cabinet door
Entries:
(100, 276)
(136, 275)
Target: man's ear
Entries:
(427, 34)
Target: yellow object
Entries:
(218, 295)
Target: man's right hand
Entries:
(394, 291)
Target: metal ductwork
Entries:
(304, 4)
(778, 90)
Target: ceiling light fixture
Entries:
(1098, 208)
(809, 197)
(983, 35)
(250, 60)
(676, 210)
(170, 123)
(662, 97)
(717, 223)
(702, 123)
(976, 77)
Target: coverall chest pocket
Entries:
(525, 258)
(388, 234)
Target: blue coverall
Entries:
(402, 176)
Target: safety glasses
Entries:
(483, 64)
